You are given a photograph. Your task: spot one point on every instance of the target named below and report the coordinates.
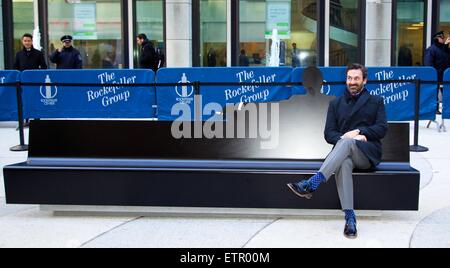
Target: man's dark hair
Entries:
(142, 36)
(357, 66)
(27, 35)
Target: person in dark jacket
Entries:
(295, 55)
(147, 57)
(356, 122)
(211, 58)
(405, 56)
(243, 59)
(68, 57)
(438, 56)
(29, 57)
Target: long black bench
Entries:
(139, 163)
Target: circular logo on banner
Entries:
(184, 91)
(326, 89)
(48, 92)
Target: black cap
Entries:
(66, 37)
(438, 33)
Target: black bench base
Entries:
(139, 163)
(104, 186)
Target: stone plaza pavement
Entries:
(28, 226)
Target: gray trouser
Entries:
(344, 157)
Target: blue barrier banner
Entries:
(8, 97)
(446, 96)
(167, 97)
(88, 101)
(399, 98)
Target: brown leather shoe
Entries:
(303, 190)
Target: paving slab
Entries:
(34, 228)
(433, 231)
(182, 232)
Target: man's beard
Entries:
(354, 89)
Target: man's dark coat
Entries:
(364, 112)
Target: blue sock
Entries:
(316, 180)
(349, 213)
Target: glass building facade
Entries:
(228, 32)
(296, 23)
(149, 20)
(444, 16)
(345, 28)
(23, 19)
(2, 48)
(96, 27)
(252, 30)
(213, 33)
(409, 29)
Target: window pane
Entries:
(96, 27)
(149, 20)
(23, 18)
(252, 27)
(444, 23)
(410, 21)
(303, 34)
(344, 29)
(295, 21)
(213, 33)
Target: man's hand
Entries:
(360, 138)
(351, 134)
(59, 50)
